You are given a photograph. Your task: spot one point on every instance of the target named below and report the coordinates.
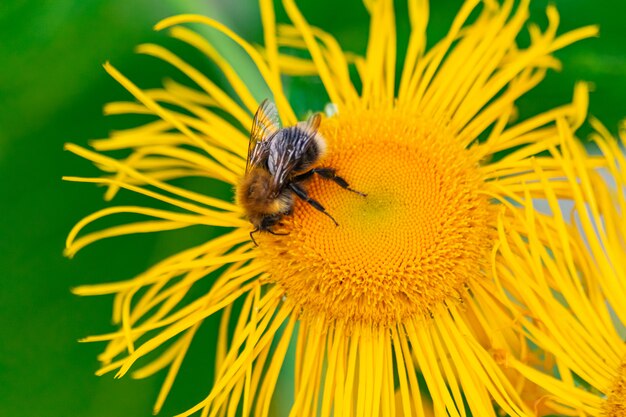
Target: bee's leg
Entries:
(271, 232)
(270, 221)
(329, 174)
(252, 237)
(305, 176)
(301, 193)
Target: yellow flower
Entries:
(573, 299)
(393, 312)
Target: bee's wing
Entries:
(290, 145)
(264, 126)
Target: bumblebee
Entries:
(280, 161)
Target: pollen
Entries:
(409, 248)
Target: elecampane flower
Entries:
(572, 300)
(393, 312)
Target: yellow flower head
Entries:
(394, 312)
(419, 237)
(572, 300)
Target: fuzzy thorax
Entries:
(256, 195)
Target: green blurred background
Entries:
(52, 88)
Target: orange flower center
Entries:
(413, 244)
